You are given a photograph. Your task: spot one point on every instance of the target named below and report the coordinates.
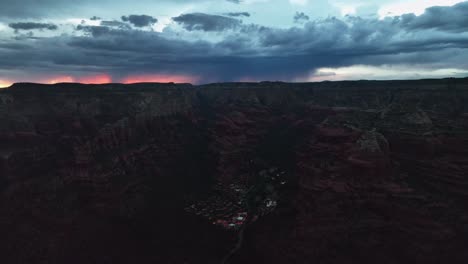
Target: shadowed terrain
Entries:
(331, 172)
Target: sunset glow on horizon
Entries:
(93, 79)
(96, 79)
(105, 79)
(60, 79)
(160, 78)
(5, 83)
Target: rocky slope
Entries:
(340, 172)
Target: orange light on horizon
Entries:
(92, 79)
(160, 78)
(96, 79)
(105, 78)
(5, 83)
(60, 79)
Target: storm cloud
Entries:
(444, 18)
(222, 48)
(32, 26)
(140, 20)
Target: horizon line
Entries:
(228, 82)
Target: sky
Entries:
(204, 41)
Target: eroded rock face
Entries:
(347, 172)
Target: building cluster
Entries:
(235, 204)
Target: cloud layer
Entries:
(205, 47)
(32, 25)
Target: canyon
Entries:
(329, 172)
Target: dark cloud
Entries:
(281, 54)
(32, 25)
(300, 17)
(95, 31)
(242, 50)
(26, 36)
(206, 22)
(140, 20)
(447, 18)
(238, 14)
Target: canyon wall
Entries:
(375, 171)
